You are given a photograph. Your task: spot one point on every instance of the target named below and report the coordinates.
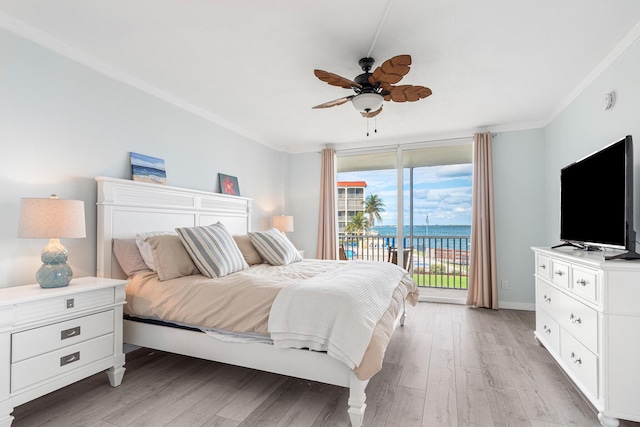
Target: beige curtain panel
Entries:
(327, 232)
(483, 283)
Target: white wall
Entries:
(519, 202)
(62, 124)
(585, 127)
(303, 200)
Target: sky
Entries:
(441, 192)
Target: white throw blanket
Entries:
(335, 311)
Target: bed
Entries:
(127, 208)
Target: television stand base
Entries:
(629, 256)
(573, 245)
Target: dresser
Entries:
(588, 318)
(51, 338)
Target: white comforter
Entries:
(335, 311)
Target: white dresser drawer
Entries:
(543, 266)
(585, 282)
(58, 306)
(581, 362)
(37, 341)
(58, 362)
(548, 331)
(580, 321)
(548, 298)
(560, 273)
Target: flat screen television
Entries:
(596, 200)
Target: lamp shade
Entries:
(51, 218)
(367, 102)
(284, 223)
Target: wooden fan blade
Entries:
(335, 102)
(392, 70)
(408, 93)
(372, 113)
(336, 80)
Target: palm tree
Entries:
(373, 205)
(357, 224)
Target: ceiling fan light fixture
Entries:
(367, 102)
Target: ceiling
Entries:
(248, 65)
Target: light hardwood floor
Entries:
(450, 365)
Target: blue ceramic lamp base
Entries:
(54, 272)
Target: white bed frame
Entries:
(128, 207)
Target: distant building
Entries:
(351, 195)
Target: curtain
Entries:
(327, 233)
(482, 284)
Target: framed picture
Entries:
(228, 184)
(147, 169)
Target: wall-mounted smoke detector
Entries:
(608, 100)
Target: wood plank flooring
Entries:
(450, 365)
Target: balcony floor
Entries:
(447, 296)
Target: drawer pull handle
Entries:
(546, 329)
(546, 298)
(575, 359)
(560, 273)
(575, 319)
(68, 333)
(74, 357)
(542, 266)
(581, 282)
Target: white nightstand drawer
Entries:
(40, 368)
(585, 283)
(581, 362)
(543, 266)
(548, 331)
(42, 340)
(581, 321)
(61, 305)
(560, 273)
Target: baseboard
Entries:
(510, 305)
(507, 305)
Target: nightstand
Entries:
(50, 338)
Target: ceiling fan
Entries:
(371, 89)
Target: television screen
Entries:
(596, 197)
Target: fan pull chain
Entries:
(367, 126)
(375, 124)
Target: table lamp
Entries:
(52, 219)
(284, 223)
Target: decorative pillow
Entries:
(212, 249)
(128, 256)
(145, 249)
(170, 257)
(274, 247)
(251, 256)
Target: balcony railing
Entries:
(436, 261)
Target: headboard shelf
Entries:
(126, 208)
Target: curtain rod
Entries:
(380, 148)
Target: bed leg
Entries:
(404, 315)
(357, 398)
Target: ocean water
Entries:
(434, 236)
(423, 230)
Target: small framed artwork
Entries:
(147, 169)
(228, 184)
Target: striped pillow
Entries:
(212, 250)
(274, 247)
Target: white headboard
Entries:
(129, 207)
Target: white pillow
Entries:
(212, 250)
(145, 248)
(274, 247)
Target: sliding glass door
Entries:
(425, 227)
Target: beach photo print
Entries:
(148, 169)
